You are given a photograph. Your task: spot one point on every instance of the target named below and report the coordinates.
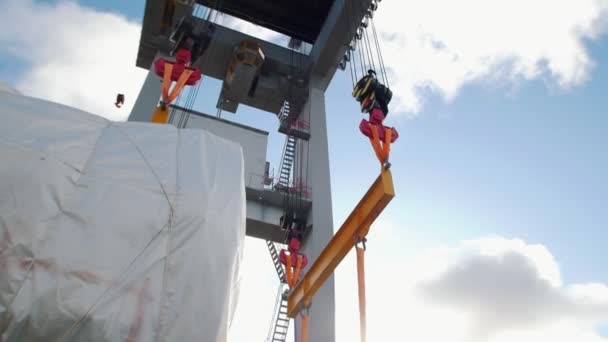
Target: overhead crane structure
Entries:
(291, 84)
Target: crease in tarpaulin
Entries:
(92, 278)
(46, 154)
(5, 239)
(141, 154)
(114, 285)
(167, 225)
(52, 110)
(163, 300)
(59, 213)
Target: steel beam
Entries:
(356, 226)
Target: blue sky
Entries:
(512, 158)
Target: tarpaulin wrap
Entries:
(115, 231)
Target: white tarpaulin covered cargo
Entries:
(115, 231)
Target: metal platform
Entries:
(264, 208)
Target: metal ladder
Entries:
(280, 326)
(284, 112)
(289, 154)
(281, 321)
(301, 130)
(276, 262)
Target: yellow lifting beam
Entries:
(354, 229)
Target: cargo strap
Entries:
(162, 112)
(361, 281)
(382, 149)
(292, 276)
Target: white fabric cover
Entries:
(115, 231)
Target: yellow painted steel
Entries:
(160, 115)
(354, 228)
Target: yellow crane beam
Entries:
(353, 229)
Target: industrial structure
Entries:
(288, 82)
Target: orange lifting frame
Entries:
(354, 229)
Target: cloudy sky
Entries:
(498, 229)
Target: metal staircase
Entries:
(275, 261)
(280, 326)
(291, 126)
(289, 155)
(284, 112)
(281, 320)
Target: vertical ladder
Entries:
(284, 112)
(286, 124)
(280, 325)
(276, 262)
(281, 320)
(289, 155)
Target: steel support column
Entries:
(322, 312)
(148, 97)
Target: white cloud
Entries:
(443, 45)
(73, 55)
(485, 290)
